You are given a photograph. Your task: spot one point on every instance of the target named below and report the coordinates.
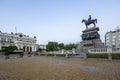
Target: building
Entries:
(112, 39)
(42, 46)
(20, 40)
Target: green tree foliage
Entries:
(52, 46)
(61, 46)
(39, 49)
(70, 46)
(9, 49)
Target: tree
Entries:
(70, 46)
(40, 50)
(12, 48)
(9, 49)
(61, 46)
(52, 46)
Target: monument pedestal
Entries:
(91, 38)
(95, 43)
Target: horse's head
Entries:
(83, 21)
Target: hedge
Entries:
(97, 56)
(114, 56)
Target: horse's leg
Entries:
(94, 25)
(86, 26)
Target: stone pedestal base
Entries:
(94, 43)
(91, 39)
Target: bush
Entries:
(61, 55)
(97, 55)
(50, 54)
(116, 56)
(9, 49)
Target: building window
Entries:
(3, 39)
(107, 37)
(9, 40)
(34, 48)
(113, 39)
(20, 35)
(113, 36)
(107, 41)
(113, 45)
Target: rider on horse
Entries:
(89, 19)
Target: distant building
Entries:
(42, 46)
(20, 40)
(112, 39)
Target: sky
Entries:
(57, 20)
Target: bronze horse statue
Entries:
(88, 22)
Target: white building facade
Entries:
(23, 42)
(42, 46)
(112, 39)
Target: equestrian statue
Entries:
(89, 21)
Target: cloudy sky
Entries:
(57, 20)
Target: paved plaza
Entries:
(58, 68)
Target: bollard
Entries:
(109, 51)
(66, 56)
(85, 55)
(54, 55)
(109, 56)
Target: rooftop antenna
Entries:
(118, 28)
(15, 29)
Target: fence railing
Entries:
(104, 50)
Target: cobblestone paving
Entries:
(57, 68)
(4, 76)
